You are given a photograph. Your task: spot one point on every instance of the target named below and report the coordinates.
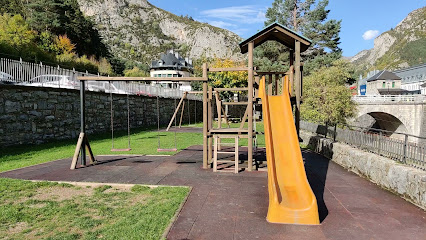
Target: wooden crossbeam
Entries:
(171, 79)
(234, 103)
(230, 89)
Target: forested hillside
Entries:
(106, 36)
(400, 47)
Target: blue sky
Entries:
(362, 20)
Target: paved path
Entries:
(233, 206)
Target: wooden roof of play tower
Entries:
(279, 33)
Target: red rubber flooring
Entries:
(233, 206)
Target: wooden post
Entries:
(270, 85)
(237, 155)
(298, 86)
(83, 121)
(210, 121)
(277, 76)
(291, 75)
(250, 106)
(205, 118)
(256, 91)
(219, 116)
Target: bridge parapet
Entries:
(390, 99)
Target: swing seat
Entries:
(166, 150)
(120, 149)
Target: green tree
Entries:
(45, 15)
(15, 32)
(308, 17)
(12, 7)
(326, 96)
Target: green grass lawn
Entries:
(47, 210)
(143, 142)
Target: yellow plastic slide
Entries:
(291, 199)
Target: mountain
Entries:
(137, 30)
(400, 47)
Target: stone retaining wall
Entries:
(33, 115)
(408, 182)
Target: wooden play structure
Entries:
(291, 199)
(275, 32)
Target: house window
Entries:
(384, 85)
(393, 84)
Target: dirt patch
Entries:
(61, 193)
(37, 205)
(19, 227)
(140, 199)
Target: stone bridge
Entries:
(405, 114)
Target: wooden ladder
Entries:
(216, 151)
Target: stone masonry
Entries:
(405, 181)
(33, 115)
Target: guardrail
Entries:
(39, 75)
(376, 141)
(389, 98)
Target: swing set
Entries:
(83, 144)
(159, 148)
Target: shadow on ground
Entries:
(316, 171)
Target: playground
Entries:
(234, 206)
(248, 180)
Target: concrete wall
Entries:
(33, 115)
(405, 181)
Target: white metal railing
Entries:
(389, 98)
(40, 75)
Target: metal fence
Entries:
(389, 99)
(40, 75)
(376, 141)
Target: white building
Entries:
(171, 64)
(384, 83)
(413, 78)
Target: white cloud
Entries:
(370, 34)
(240, 14)
(221, 24)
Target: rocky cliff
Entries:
(137, 30)
(403, 46)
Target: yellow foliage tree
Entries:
(64, 44)
(228, 79)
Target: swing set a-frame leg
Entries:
(82, 139)
(176, 111)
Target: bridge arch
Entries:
(383, 121)
(393, 118)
